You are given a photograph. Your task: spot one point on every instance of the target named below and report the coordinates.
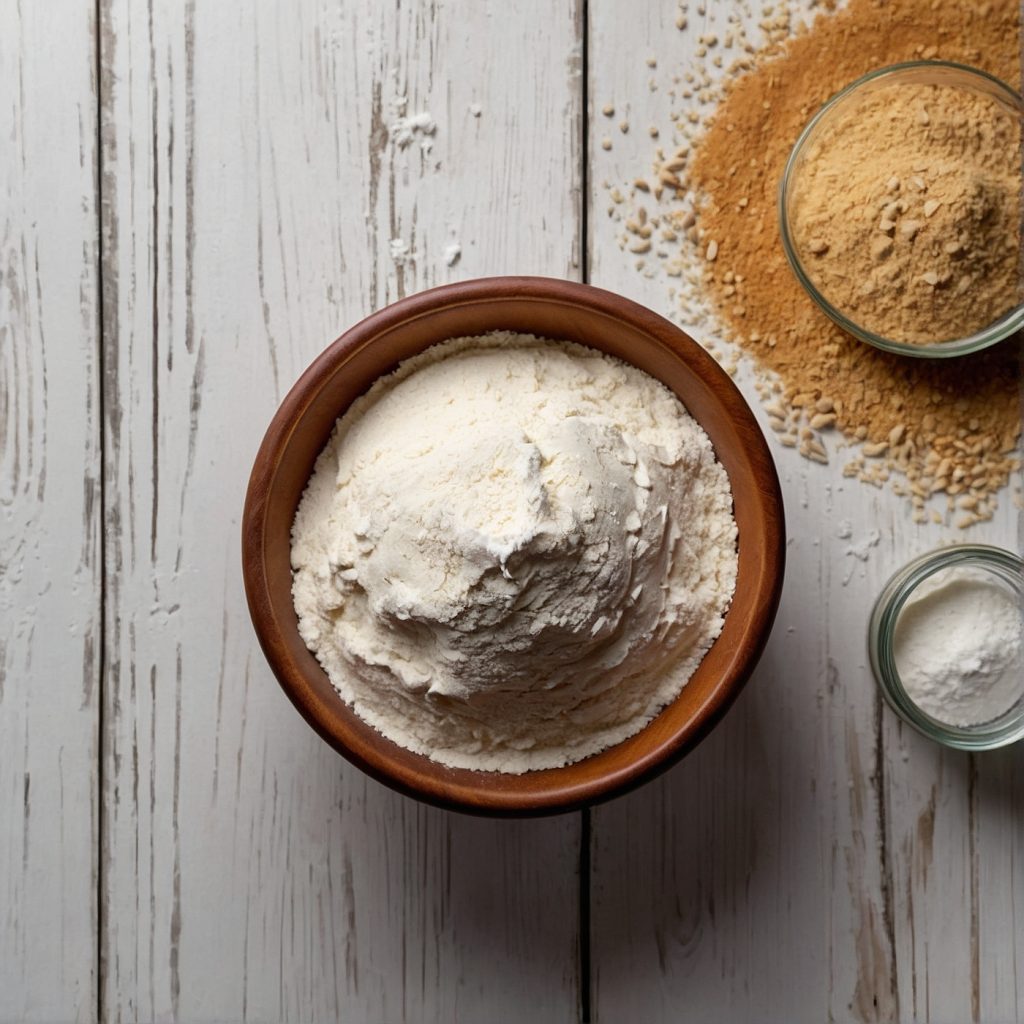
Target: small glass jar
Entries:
(1004, 567)
(930, 72)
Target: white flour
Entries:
(405, 128)
(513, 552)
(452, 252)
(958, 647)
(401, 252)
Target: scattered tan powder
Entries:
(930, 426)
(905, 211)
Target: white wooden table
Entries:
(197, 197)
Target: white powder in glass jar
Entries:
(959, 646)
(513, 552)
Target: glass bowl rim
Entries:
(1008, 324)
(881, 629)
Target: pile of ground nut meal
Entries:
(943, 433)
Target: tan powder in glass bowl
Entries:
(929, 427)
(906, 211)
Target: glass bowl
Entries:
(913, 73)
(1003, 566)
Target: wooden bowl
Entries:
(552, 309)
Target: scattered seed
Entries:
(667, 178)
(712, 251)
(896, 434)
(814, 451)
(931, 206)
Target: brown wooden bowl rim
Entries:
(454, 788)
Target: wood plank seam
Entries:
(98, 73)
(585, 874)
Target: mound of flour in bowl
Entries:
(513, 552)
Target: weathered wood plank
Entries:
(957, 832)
(812, 860)
(995, 793)
(254, 192)
(49, 513)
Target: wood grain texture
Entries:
(814, 859)
(253, 192)
(49, 514)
